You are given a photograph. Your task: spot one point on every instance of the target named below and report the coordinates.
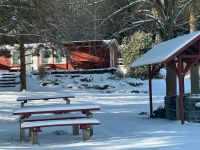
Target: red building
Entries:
(92, 54)
(82, 55)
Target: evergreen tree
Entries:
(24, 23)
(133, 47)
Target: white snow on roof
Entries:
(31, 45)
(60, 122)
(109, 41)
(164, 50)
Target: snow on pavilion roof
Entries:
(161, 52)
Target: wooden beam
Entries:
(150, 90)
(178, 53)
(181, 90)
(190, 65)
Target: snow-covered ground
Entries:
(122, 127)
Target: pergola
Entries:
(180, 54)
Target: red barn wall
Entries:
(5, 63)
(90, 57)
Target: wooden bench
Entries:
(84, 123)
(26, 99)
(27, 114)
(75, 128)
(55, 117)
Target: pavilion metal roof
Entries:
(166, 50)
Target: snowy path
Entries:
(121, 126)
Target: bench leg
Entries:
(67, 100)
(90, 115)
(22, 134)
(86, 134)
(75, 129)
(91, 131)
(30, 132)
(21, 131)
(22, 104)
(34, 137)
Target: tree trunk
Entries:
(194, 73)
(167, 15)
(22, 67)
(171, 86)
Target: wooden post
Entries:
(22, 104)
(67, 100)
(75, 129)
(86, 133)
(150, 91)
(22, 131)
(30, 132)
(181, 89)
(90, 115)
(34, 137)
(91, 127)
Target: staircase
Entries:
(8, 79)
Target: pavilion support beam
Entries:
(150, 90)
(179, 70)
(181, 90)
(153, 70)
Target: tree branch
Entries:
(120, 10)
(181, 11)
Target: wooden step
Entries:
(5, 80)
(7, 83)
(3, 86)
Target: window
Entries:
(44, 57)
(58, 57)
(15, 57)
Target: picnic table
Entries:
(35, 125)
(26, 99)
(56, 109)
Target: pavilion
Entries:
(181, 54)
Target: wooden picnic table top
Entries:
(44, 97)
(82, 121)
(55, 109)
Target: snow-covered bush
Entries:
(117, 75)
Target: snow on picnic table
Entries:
(121, 128)
(41, 97)
(81, 121)
(57, 107)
